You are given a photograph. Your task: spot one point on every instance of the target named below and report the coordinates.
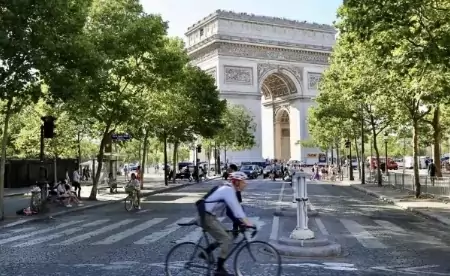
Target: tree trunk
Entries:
(174, 160)
(358, 158)
(415, 156)
(373, 126)
(143, 157)
(79, 153)
(166, 181)
(3, 156)
(338, 157)
(437, 133)
(106, 133)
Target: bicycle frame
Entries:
(242, 243)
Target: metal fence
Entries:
(439, 186)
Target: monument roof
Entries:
(230, 15)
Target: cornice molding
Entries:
(259, 42)
(268, 20)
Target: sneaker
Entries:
(68, 205)
(80, 204)
(139, 207)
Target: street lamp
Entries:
(386, 136)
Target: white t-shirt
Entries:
(227, 194)
(135, 184)
(76, 177)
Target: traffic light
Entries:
(49, 126)
(199, 148)
(347, 144)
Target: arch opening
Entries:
(282, 136)
(277, 85)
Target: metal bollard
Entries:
(301, 232)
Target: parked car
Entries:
(250, 170)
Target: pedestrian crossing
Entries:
(371, 234)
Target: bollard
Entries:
(301, 232)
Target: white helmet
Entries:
(238, 176)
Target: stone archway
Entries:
(282, 135)
(279, 87)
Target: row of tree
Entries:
(101, 67)
(389, 73)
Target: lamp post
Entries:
(386, 136)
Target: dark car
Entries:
(250, 170)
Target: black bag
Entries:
(201, 208)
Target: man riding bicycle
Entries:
(216, 202)
(134, 186)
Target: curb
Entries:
(102, 204)
(424, 213)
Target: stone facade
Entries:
(272, 66)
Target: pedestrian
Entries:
(76, 182)
(432, 172)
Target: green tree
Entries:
(408, 39)
(238, 128)
(34, 35)
(129, 48)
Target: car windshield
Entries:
(246, 168)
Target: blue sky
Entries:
(183, 13)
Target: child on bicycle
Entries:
(134, 186)
(216, 202)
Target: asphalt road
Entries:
(111, 241)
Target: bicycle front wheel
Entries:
(257, 258)
(187, 258)
(128, 203)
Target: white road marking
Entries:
(35, 233)
(276, 219)
(390, 226)
(195, 235)
(143, 211)
(275, 227)
(95, 233)
(60, 234)
(321, 227)
(131, 231)
(22, 221)
(364, 237)
(26, 229)
(155, 236)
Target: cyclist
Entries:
(215, 202)
(134, 186)
(236, 223)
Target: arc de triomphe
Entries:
(272, 67)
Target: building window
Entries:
(201, 32)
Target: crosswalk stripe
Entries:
(131, 231)
(61, 234)
(26, 229)
(195, 235)
(155, 236)
(95, 233)
(390, 226)
(364, 237)
(35, 233)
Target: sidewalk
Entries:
(152, 185)
(427, 205)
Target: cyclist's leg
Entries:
(138, 197)
(218, 232)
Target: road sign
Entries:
(120, 137)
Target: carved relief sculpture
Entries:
(238, 75)
(313, 80)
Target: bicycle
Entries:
(131, 201)
(195, 259)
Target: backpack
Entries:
(201, 208)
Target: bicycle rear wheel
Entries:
(184, 259)
(128, 203)
(257, 258)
